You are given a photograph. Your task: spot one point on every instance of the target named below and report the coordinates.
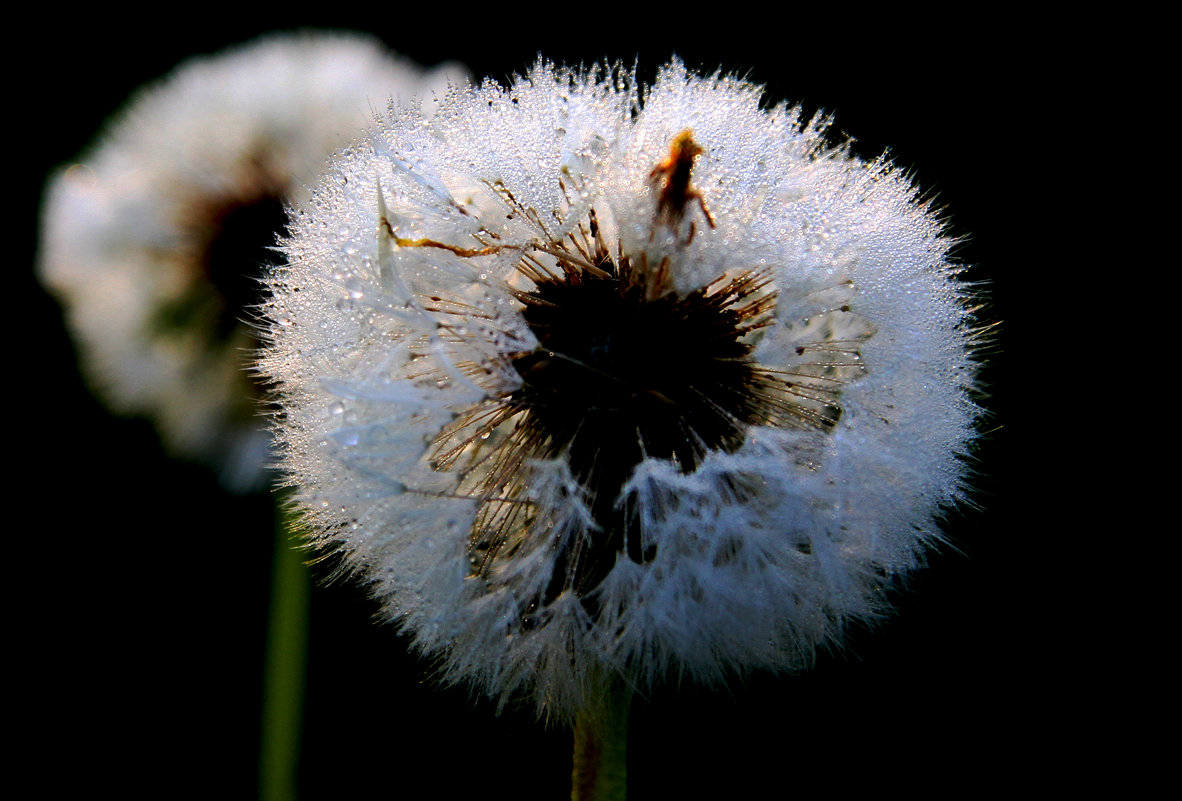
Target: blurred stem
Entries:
(601, 748)
(286, 660)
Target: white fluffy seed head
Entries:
(127, 230)
(413, 369)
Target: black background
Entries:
(144, 586)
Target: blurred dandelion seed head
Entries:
(156, 239)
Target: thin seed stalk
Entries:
(600, 770)
(286, 662)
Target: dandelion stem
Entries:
(601, 748)
(283, 686)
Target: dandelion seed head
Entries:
(156, 239)
(590, 380)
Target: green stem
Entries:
(286, 659)
(601, 748)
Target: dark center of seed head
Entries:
(231, 243)
(619, 378)
(241, 246)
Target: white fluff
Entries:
(371, 369)
(123, 227)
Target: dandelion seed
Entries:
(591, 383)
(155, 240)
